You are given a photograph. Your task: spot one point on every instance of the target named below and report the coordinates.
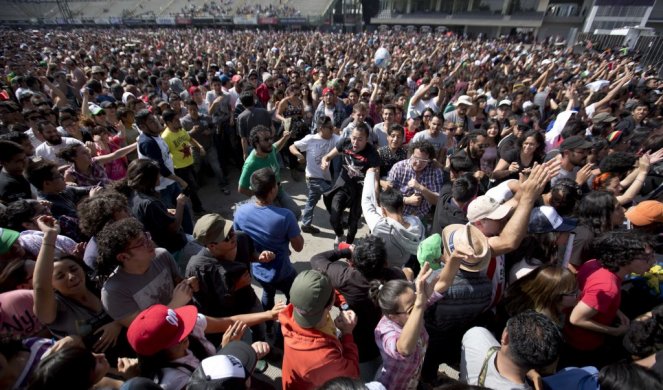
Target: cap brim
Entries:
(9, 237)
(189, 315)
(243, 352)
(567, 225)
(480, 262)
(499, 213)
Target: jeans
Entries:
(348, 195)
(212, 159)
(284, 200)
(316, 187)
(169, 196)
(188, 174)
(269, 289)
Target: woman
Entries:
(489, 157)
(613, 183)
(550, 290)
(292, 107)
(86, 170)
(400, 334)
(531, 150)
(145, 204)
(598, 212)
(307, 104)
(72, 367)
(597, 314)
(63, 300)
(116, 168)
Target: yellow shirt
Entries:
(179, 145)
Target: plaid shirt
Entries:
(400, 372)
(431, 178)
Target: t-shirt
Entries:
(179, 145)
(380, 135)
(124, 294)
(254, 162)
(438, 141)
(600, 290)
(271, 229)
(316, 148)
(355, 164)
(564, 174)
(461, 122)
(64, 203)
(418, 109)
(154, 215)
(251, 118)
(73, 318)
(13, 188)
(17, 317)
(49, 152)
(476, 345)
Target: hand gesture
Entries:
(413, 183)
(346, 321)
(234, 332)
(48, 224)
(656, 156)
(193, 283)
(514, 167)
(423, 288)
(181, 294)
(644, 163)
(584, 174)
(266, 256)
(540, 175)
(278, 307)
(413, 200)
(108, 338)
(261, 348)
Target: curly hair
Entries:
(645, 337)
(254, 134)
(617, 249)
(619, 163)
(534, 340)
(112, 240)
(370, 256)
(96, 212)
(422, 146)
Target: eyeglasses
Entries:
(145, 242)
(419, 160)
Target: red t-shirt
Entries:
(600, 290)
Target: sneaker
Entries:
(310, 229)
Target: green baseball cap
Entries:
(430, 251)
(7, 238)
(310, 294)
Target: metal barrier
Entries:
(650, 48)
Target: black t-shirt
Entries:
(13, 188)
(355, 164)
(64, 203)
(154, 215)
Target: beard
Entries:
(55, 141)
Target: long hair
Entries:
(541, 290)
(595, 211)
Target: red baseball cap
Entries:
(160, 327)
(327, 91)
(235, 79)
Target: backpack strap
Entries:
(484, 367)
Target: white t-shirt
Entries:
(49, 152)
(418, 109)
(316, 148)
(476, 345)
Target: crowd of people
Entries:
(512, 193)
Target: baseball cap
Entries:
(645, 213)
(159, 327)
(224, 79)
(211, 228)
(467, 235)
(236, 78)
(97, 69)
(327, 91)
(505, 102)
(226, 370)
(485, 207)
(95, 109)
(310, 294)
(545, 219)
(575, 142)
(464, 100)
(603, 117)
(7, 238)
(615, 137)
(430, 251)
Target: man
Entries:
(357, 157)
(180, 145)
(251, 117)
(222, 268)
(318, 181)
(454, 199)
(381, 130)
(312, 353)
(231, 368)
(272, 229)
(636, 118)
(449, 318)
(331, 107)
(477, 143)
(263, 155)
(459, 116)
(140, 274)
(401, 232)
(531, 341)
(573, 157)
(423, 99)
(319, 86)
(200, 128)
(153, 147)
(13, 185)
(418, 179)
(436, 137)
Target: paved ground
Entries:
(215, 201)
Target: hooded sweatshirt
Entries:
(312, 357)
(401, 242)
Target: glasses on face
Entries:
(145, 242)
(419, 160)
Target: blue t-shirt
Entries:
(271, 229)
(585, 378)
